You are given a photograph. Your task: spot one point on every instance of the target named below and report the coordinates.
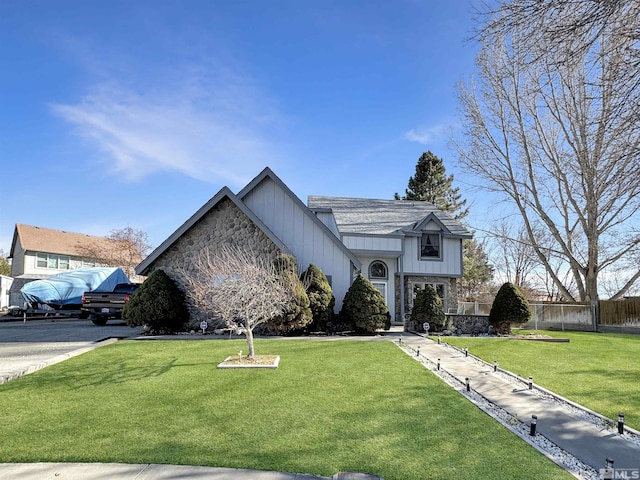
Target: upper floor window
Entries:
(430, 245)
(48, 260)
(377, 269)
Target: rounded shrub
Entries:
(427, 307)
(509, 306)
(157, 303)
(363, 307)
(321, 299)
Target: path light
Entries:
(621, 423)
(418, 352)
(534, 422)
(608, 465)
(466, 351)
(438, 366)
(495, 365)
(468, 384)
(530, 383)
(438, 340)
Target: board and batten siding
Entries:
(450, 265)
(308, 241)
(372, 243)
(329, 220)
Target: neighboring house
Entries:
(399, 245)
(38, 252)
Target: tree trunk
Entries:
(249, 334)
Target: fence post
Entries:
(595, 314)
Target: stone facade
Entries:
(468, 324)
(225, 224)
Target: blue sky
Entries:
(116, 113)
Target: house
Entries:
(399, 245)
(38, 252)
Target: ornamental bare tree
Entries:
(242, 288)
(552, 125)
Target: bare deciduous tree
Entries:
(242, 288)
(124, 248)
(553, 127)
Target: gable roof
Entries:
(142, 268)
(267, 173)
(48, 240)
(385, 217)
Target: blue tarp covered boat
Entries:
(65, 289)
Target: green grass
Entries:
(329, 407)
(599, 371)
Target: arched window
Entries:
(377, 269)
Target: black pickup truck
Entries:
(101, 306)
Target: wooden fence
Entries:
(624, 313)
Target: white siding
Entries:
(450, 265)
(329, 220)
(373, 244)
(308, 241)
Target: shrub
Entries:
(509, 306)
(363, 308)
(427, 307)
(321, 299)
(157, 303)
(297, 315)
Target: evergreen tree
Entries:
(364, 308)
(478, 272)
(157, 303)
(321, 297)
(431, 184)
(297, 315)
(510, 306)
(427, 307)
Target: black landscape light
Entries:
(534, 422)
(468, 384)
(438, 365)
(418, 352)
(621, 423)
(438, 340)
(530, 383)
(466, 351)
(495, 365)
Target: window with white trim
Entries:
(49, 260)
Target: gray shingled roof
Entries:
(381, 217)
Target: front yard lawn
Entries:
(599, 371)
(329, 407)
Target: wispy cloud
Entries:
(212, 126)
(428, 135)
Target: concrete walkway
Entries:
(584, 440)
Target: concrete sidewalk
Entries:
(586, 441)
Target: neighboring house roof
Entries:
(142, 269)
(268, 173)
(48, 240)
(385, 217)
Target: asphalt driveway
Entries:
(27, 347)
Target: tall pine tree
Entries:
(432, 184)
